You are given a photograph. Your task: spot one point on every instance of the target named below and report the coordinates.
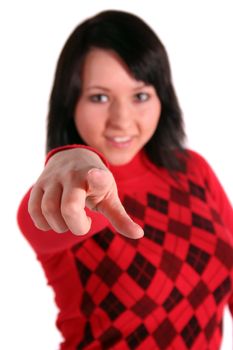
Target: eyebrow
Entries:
(99, 87)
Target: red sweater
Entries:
(167, 290)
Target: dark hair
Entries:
(144, 54)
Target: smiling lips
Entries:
(119, 141)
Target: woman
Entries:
(145, 260)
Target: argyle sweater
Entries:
(167, 290)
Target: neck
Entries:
(137, 166)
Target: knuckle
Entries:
(100, 181)
(33, 209)
(49, 207)
(41, 183)
(70, 209)
(71, 177)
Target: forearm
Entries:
(44, 242)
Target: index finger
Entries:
(113, 210)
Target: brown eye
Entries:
(99, 98)
(142, 96)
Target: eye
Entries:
(99, 98)
(142, 96)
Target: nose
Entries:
(120, 114)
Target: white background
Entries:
(198, 38)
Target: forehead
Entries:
(106, 67)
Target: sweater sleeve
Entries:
(46, 242)
(67, 147)
(217, 191)
(221, 199)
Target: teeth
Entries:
(121, 138)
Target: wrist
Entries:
(68, 147)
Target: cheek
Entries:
(157, 113)
(81, 114)
(149, 126)
(82, 121)
(151, 119)
(149, 129)
(89, 123)
(84, 126)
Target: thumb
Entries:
(103, 192)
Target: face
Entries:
(115, 114)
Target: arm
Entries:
(220, 198)
(76, 194)
(217, 192)
(46, 242)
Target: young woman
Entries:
(134, 232)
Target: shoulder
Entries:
(199, 171)
(195, 157)
(196, 163)
(196, 168)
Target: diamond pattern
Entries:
(154, 234)
(198, 294)
(108, 271)
(164, 334)
(191, 331)
(87, 304)
(110, 337)
(197, 258)
(197, 191)
(157, 203)
(84, 271)
(137, 337)
(153, 293)
(171, 265)
(221, 291)
(179, 229)
(87, 338)
(180, 197)
(224, 253)
(210, 327)
(112, 306)
(215, 215)
(173, 299)
(135, 208)
(203, 223)
(144, 306)
(141, 271)
(104, 239)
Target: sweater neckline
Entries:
(138, 166)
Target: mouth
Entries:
(119, 141)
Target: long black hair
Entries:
(144, 54)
